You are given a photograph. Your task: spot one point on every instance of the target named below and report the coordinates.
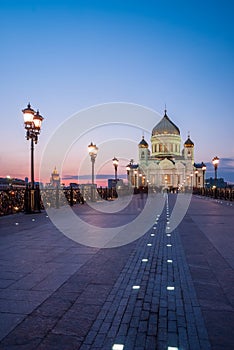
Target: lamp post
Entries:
(165, 180)
(196, 172)
(140, 179)
(203, 174)
(135, 178)
(129, 173)
(191, 180)
(32, 124)
(128, 168)
(215, 162)
(115, 163)
(93, 149)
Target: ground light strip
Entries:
(170, 288)
(137, 287)
(169, 261)
(117, 347)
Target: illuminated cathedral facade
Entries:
(165, 165)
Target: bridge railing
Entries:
(14, 200)
(217, 193)
(19, 200)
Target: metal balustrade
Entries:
(217, 193)
(13, 201)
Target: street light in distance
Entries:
(215, 162)
(115, 163)
(203, 174)
(93, 149)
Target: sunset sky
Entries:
(67, 55)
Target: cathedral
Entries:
(166, 165)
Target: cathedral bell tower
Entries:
(143, 151)
(189, 150)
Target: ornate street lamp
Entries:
(32, 124)
(93, 149)
(115, 163)
(203, 174)
(215, 162)
(128, 168)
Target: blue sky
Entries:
(63, 56)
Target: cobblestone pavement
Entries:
(57, 294)
(153, 304)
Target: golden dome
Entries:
(165, 126)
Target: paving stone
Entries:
(132, 330)
(9, 322)
(140, 340)
(99, 341)
(90, 338)
(104, 327)
(55, 341)
(151, 330)
(143, 326)
(123, 329)
(31, 328)
(172, 337)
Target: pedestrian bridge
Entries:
(162, 291)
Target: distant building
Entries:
(166, 166)
(11, 182)
(220, 183)
(55, 178)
